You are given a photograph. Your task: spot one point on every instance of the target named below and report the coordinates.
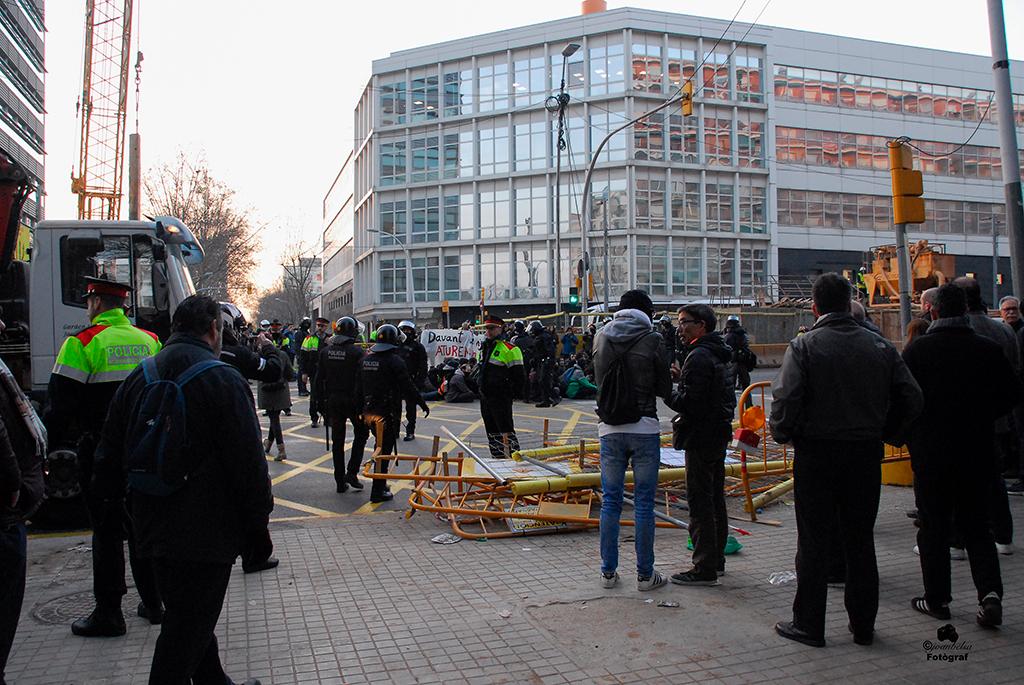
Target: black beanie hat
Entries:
(637, 299)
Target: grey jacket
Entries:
(1001, 334)
(840, 381)
(646, 361)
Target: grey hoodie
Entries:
(646, 365)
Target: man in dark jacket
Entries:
(543, 364)
(525, 342)
(952, 452)
(501, 379)
(194, 534)
(297, 339)
(705, 400)
(632, 373)
(308, 359)
(841, 391)
(415, 357)
(386, 383)
(22, 448)
(339, 387)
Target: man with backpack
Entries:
(631, 374)
(184, 429)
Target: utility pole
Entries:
(995, 264)
(134, 175)
(607, 275)
(557, 104)
(1007, 145)
(907, 208)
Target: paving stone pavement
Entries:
(364, 599)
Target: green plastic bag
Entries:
(732, 545)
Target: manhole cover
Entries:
(63, 610)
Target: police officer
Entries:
(544, 350)
(297, 341)
(88, 371)
(415, 357)
(386, 383)
(524, 341)
(501, 379)
(338, 387)
(308, 357)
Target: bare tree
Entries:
(186, 189)
(273, 305)
(299, 284)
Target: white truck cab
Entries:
(151, 256)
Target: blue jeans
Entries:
(616, 451)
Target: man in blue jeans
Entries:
(631, 374)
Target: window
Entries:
(647, 65)
(607, 67)
(718, 206)
(392, 222)
(682, 139)
(495, 276)
(454, 287)
(650, 201)
(575, 151)
(714, 77)
(718, 141)
(531, 196)
(533, 271)
(424, 99)
(494, 213)
(748, 75)
(721, 264)
(425, 220)
(682, 62)
(493, 150)
(425, 159)
(618, 268)
(686, 260)
(458, 218)
(458, 92)
(575, 76)
(752, 207)
(529, 85)
(685, 205)
(601, 122)
(467, 145)
(493, 84)
(531, 145)
(753, 270)
(393, 280)
(392, 103)
(614, 190)
(426, 279)
(451, 161)
(649, 138)
(392, 162)
(749, 136)
(652, 265)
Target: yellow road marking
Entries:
(322, 513)
(301, 468)
(570, 426)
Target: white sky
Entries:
(265, 89)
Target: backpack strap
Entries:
(631, 346)
(196, 369)
(149, 370)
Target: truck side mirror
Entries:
(159, 251)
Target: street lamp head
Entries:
(570, 49)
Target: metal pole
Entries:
(562, 101)
(408, 274)
(1008, 145)
(995, 264)
(134, 176)
(472, 455)
(903, 264)
(607, 275)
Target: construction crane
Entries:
(103, 109)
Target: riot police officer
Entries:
(524, 341)
(386, 383)
(88, 371)
(544, 351)
(415, 357)
(308, 356)
(339, 389)
(265, 366)
(300, 337)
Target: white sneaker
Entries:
(917, 550)
(957, 553)
(609, 582)
(655, 581)
(1006, 549)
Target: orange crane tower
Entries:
(103, 109)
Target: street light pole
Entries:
(557, 104)
(408, 268)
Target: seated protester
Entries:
(457, 389)
(579, 386)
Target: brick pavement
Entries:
(368, 598)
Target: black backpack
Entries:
(158, 456)
(616, 402)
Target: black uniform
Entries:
(525, 342)
(543, 358)
(736, 338)
(339, 389)
(265, 366)
(386, 383)
(307, 365)
(415, 357)
(501, 379)
(298, 339)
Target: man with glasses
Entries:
(1009, 310)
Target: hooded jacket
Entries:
(645, 361)
(705, 398)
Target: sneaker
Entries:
(990, 611)
(1016, 489)
(691, 577)
(921, 604)
(957, 553)
(651, 582)
(609, 580)
(1006, 549)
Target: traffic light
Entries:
(574, 299)
(907, 185)
(687, 102)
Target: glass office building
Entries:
(781, 169)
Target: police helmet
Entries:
(732, 320)
(407, 324)
(347, 327)
(536, 327)
(264, 324)
(388, 335)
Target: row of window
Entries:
(859, 151)
(496, 84)
(530, 145)
(874, 213)
(494, 212)
(853, 91)
(689, 267)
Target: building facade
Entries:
(781, 170)
(337, 246)
(22, 110)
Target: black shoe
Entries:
(990, 611)
(789, 631)
(381, 497)
(922, 605)
(341, 487)
(353, 480)
(154, 616)
(100, 623)
(287, 412)
(543, 404)
(863, 639)
(409, 437)
(258, 566)
(314, 423)
(691, 577)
